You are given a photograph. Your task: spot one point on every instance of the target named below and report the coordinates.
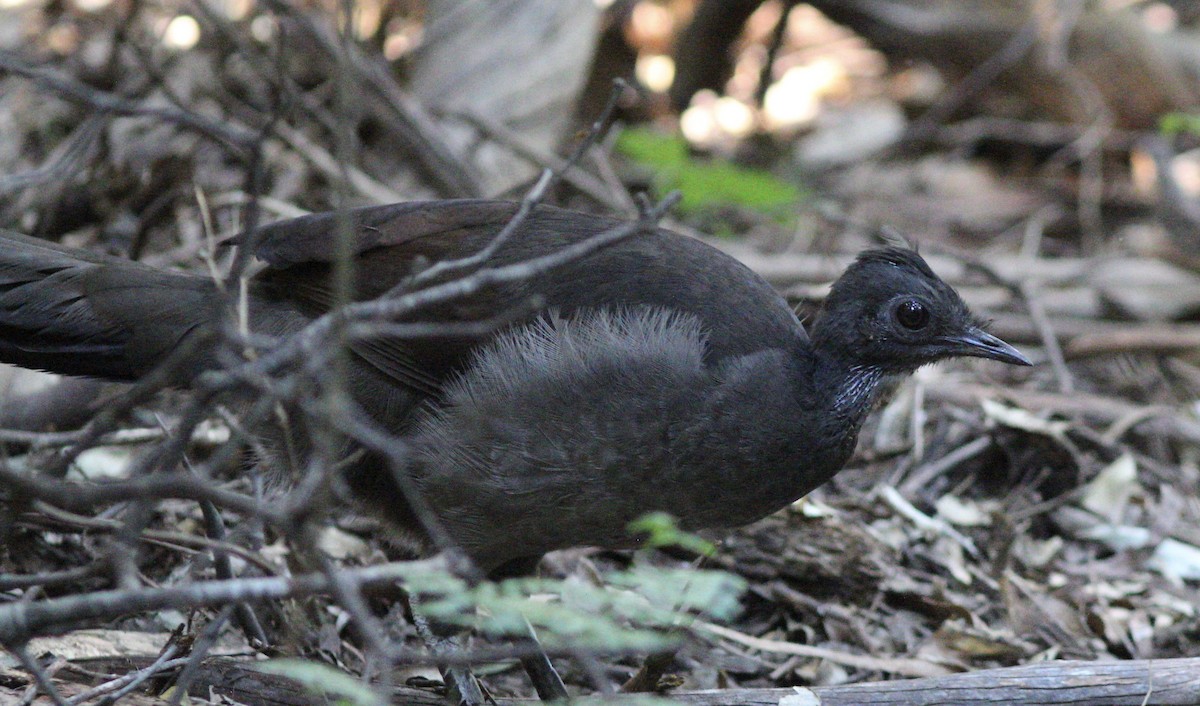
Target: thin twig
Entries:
(1054, 354)
(127, 683)
(549, 179)
(40, 675)
(21, 621)
(69, 88)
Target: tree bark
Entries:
(1167, 682)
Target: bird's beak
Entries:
(981, 344)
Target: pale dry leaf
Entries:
(95, 644)
(1147, 290)
(965, 512)
(1036, 553)
(1023, 420)
(982, 642)
(103, 462)
(1176, 560)
(341, 545)
(1110, 491)
(1033, 610)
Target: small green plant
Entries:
(707, 183)
(631, 614)
(1175, 123)
(637, 610)
(661, 530)
(334, 685)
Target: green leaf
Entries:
(661, 530)
(707, 183)
(1176, 123)
(324, 680)
(712, 593)
(633, 613)
(636, 612)
(652, 148)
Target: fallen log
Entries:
(1166, 682)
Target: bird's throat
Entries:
(857, 391)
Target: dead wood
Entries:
(1069, 62)
(1096, 409)
(1167, 682)
(1090, 66)
(546, 47)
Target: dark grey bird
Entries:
(660, 374)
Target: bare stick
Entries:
(549, 179)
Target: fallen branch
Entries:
(1164, 421)
(1167, 682)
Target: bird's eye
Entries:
(912, 314)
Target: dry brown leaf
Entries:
(1147, 290)
(979, 642)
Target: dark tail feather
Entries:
(77, 313)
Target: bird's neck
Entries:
(855, 389)
(848, 389)
(847, 385)
(787, 439)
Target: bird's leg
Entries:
(648, 677)
(546, 682)
(545, 679)
(462, 689)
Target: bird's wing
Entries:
(389, 242)
(402, 227)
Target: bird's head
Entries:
(891, 312)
